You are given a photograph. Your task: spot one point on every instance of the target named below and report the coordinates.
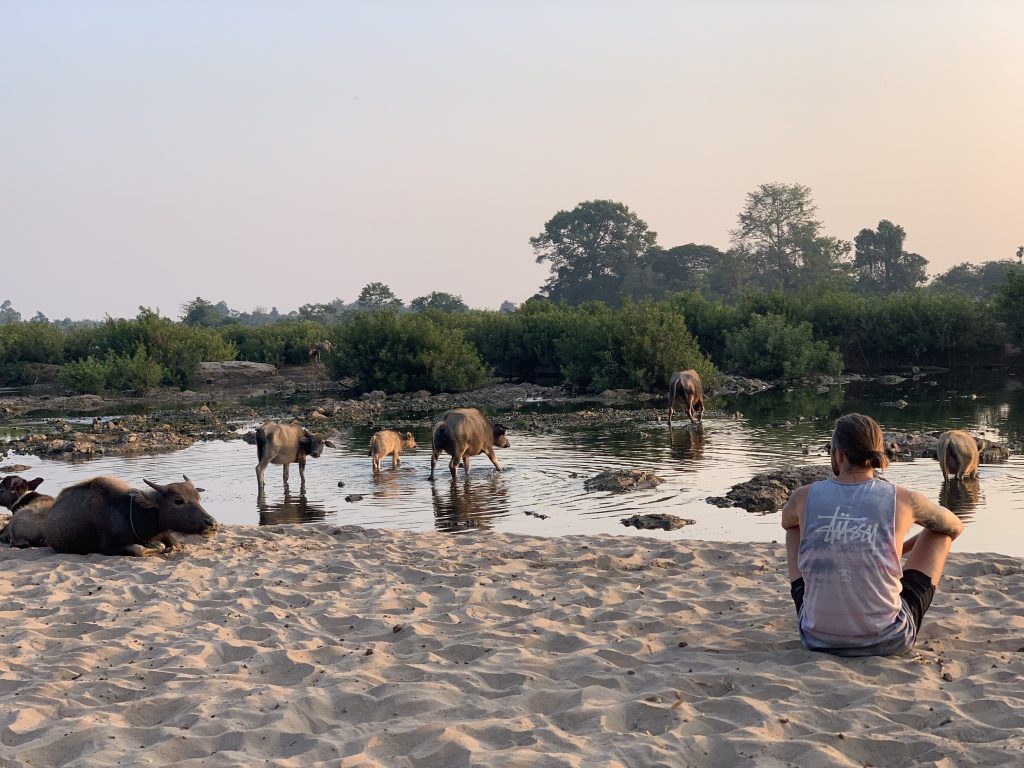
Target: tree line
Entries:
(785, 301)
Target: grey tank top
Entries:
(851, 571)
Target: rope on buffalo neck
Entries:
(131, 520)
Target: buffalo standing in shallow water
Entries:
(106, 516)
(465, 432)
(687, 386)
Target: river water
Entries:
(544, 473)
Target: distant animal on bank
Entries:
(957, 452)
(686, 385)
(105, 515)
(319, 348)
(465, 432)
(388, 442)
(286, 444)
(28, 508)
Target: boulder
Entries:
(235, 370)
(619, 480)
(768, 491)
(657, 521)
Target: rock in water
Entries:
(619, 480)
(657, 520)
(767, 492)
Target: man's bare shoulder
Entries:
(792, 511)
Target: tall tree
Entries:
(685, 267)
(378, 296)
(979, 281)
(8, 314)
(882, 265)
(445, 302)
(778, 228)
(591, 250)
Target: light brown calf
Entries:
(388, 442)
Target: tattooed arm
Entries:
(933, 517)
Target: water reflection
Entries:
(688, 443)
(290, 509)
(468, 504)
(961, 496)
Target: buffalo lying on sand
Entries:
(106, 516)
(28, 507)
(465, 432)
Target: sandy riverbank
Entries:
(345, 646)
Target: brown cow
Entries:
(465, 432)
(28, 508)
(106, 516)
(284, 444)
(388, 442)
(957, 452)
(687, 385)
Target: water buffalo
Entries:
(319, 348)
(106, 516)
(957, 452)
(28, 508)
(465, 432)
(284, 444)
(687, 385)
(388, 442)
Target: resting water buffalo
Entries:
(686, 385)
(28, 508)
(465, 432)
(957, 452)
(388, 442)
(284, 444)
(105, 515)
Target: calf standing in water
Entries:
(687, 385)
(285, 444)
(465, 432)
(388, 442)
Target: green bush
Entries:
(138, 372)
(284, 342)
(401, 353)
(176, 347)
(770, 347)
(31, 342)
(88, 376)
(637, 346)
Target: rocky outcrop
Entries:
(233, 371)
(619, 480)
(657, 521)
(768, 491)
(923, 445)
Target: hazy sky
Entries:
(278, 153)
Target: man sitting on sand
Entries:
(844, 540)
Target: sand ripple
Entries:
(296, 646)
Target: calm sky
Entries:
(278, 153)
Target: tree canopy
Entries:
(882, 265)
(591, 250)
(378, 296)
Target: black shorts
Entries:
(917, 593)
